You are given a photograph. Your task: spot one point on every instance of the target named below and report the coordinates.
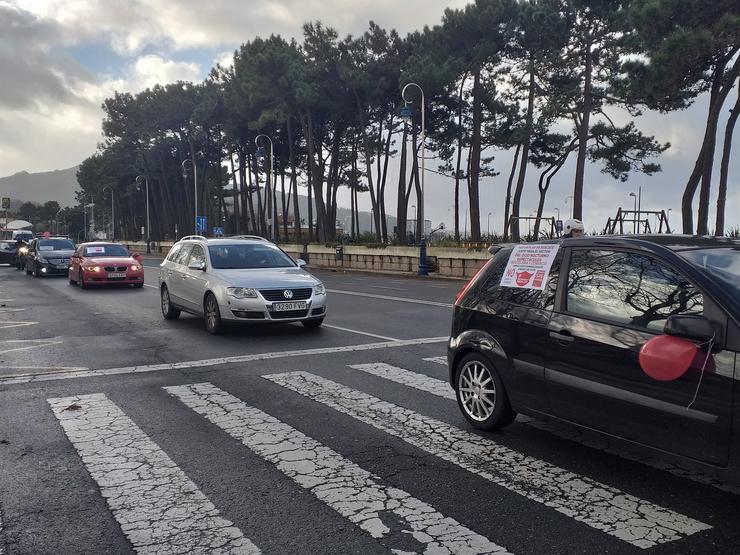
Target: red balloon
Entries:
(667, 358)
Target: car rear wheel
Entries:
(212, 315)
(481, 394)
(168, 311)
(315, 323)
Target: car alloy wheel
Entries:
(212, 315)
(477, 391)
(481, 394)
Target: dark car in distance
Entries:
(47, 256)
(635, 337)
(7, 252)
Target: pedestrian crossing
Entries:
(160, 509)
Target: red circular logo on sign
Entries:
(522, 278)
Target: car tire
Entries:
(313, 323)
(483, 406)
(212, 315)
(81, 280)
(36, 271)
(139, 285)
(169, 312)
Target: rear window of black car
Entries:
(55, 245)
(492, 290)
(7, 245)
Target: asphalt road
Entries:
(123, 433)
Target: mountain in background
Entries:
(58, 185)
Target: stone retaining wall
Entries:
(442, 261)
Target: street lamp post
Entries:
(416, 221)
(668, 220)
(112, 214)
(634, 214)
(407, 114)
(139, 178)
(195, 189)
(261, 154)
(489, 226)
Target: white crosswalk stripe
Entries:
(393, 517)
(605, 508)
(441, 388)
(437, 360)
(159, 508)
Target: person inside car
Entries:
(573, 228)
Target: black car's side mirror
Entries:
(693, 327)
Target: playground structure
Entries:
(555, 225)
(639, 225)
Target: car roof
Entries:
(255, 240)
(669, 241)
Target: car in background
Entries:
(7, 252)
(633, 337)
(238, 280)
(99, 263)
(48, 256)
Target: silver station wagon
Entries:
(238, 280)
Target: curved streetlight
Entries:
(112, 214)
(184, 164)
(406, 113)
(260, 153)
(139, 179)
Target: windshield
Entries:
(106, 250)
(723, 264)
(7, 246)
(56, 245)
(248, 257)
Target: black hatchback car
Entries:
(636, 337)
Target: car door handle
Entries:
(563, 336)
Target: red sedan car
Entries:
(101, 263)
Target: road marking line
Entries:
(437, 360)
(49, 368)
(389, 298)
(220, 361)
(37, 341)
(361, 332)
(11, 324)
(405, 377)
(605, 508)
(8, 309)
(151, 286)
(158, 507)
(350, 490)
(6, 300)
(441, 388)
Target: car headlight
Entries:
(241, 292)
(135, 267)
(319, 289)
(93, 268)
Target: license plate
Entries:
(281, 307)
(117, 275)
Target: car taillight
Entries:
(461, 293)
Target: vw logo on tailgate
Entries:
(288, 294)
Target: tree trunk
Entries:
(583, 130)
(525, 154)
(316, 177)
(460, 133)
(474, 183)
(368, 157)
(294, 182)
(402, 205)
(719, 228)
(508, 191)
(381, 196)
(716, 99)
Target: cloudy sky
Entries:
(60, 59)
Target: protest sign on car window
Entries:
(529, 266)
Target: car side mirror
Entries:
(301, 263)
(695, 328)
(197, 265)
